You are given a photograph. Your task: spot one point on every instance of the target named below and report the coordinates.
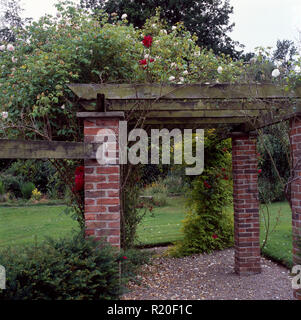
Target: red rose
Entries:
(143, 62)
(80, 170)
(259, 171)
(147, 41)
(79, 179)
(124, 257)
(207, 185)
(214, 236)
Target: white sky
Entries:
(257, 22)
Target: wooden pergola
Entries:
(237, 111)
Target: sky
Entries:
(257, 22)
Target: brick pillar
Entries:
(295, 141)
(102, 182)
(246, 205)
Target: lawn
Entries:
(279, 245)
(30, 224)
(25, 225)
(163, 224)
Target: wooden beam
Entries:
(177, 91)
(188, 104)
(193, 121)
(23, 149)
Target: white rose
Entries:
(10, 47)
(197, 54)
(275, 73)
(297, 69)
(163, 31)
(185, 72)
(173, 28)
(220, 70)
(4, 115)
(63, 107)
(171, 78)
(2, 48)
(146, 56)
(14, 60)
(173, 65)
(124, 16)
(181, 79)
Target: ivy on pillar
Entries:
(246, 204)
(102, 180)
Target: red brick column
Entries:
(102, 181)
(295, 140)
(246, 205)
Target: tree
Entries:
(285, 50)
(208, 19)
(9, 19)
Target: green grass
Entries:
(30, 224)
(22, 225)
(163, 224)
(279, 245)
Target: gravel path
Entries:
(208, 277)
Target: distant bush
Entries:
(2, 191)
(68, 269)
(27, 189)
(158, 191)
(12, 184)
(175, 184)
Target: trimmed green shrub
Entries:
(67, 269)
(26, 189)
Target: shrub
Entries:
(27, 189)
(208, 224)
(132, 260)
(2, 191)
(158, 191)
(175, 184)
(12, 184)
(67, 269)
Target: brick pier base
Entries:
(246, 205)
(295, 141)
(102, 183)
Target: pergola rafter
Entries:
(246, 106)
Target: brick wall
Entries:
(295, 140)
(246, 205)
(102, 187)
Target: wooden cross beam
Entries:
(23, 149)
(197, 104)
